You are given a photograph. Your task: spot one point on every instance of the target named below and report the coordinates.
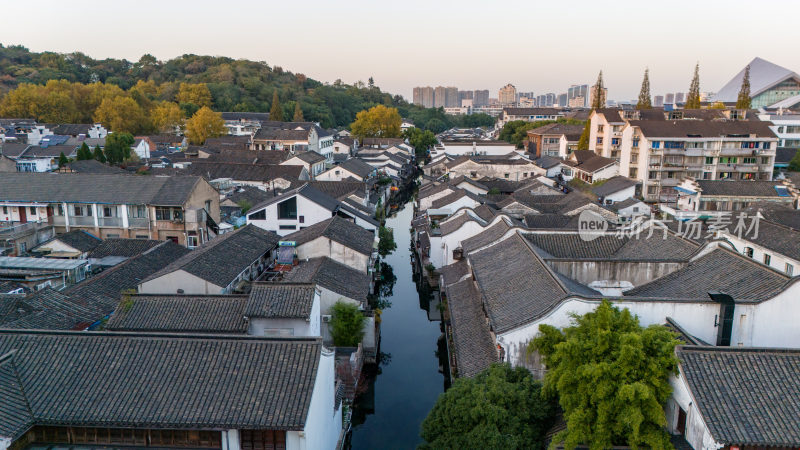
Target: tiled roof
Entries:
(251, 194)
(72, 129)
(332, 275)
(551, 221)
(93, 188)
(747, 397)
(572, 132)
(779, 213)
(339, 189)
(720, 270)
(310, 157)
(338, 230)
(485, 237)
(277, 134)
(80, 240)
(52, 151)
(245, 115)
(517, 286)
(610, 247)
(614, 184)
(450, 198)
(180, 313)
(244, 156)
(127, 248)
(588, 161)
(703, 128)
(547, 161)
(454, 223)
(485, 212)
(533, 111)
(357, 167)
(452, 273)
(15, 414)
(222, 259)
(93, 166)
(743, 188)
(280, 300)
(211, 170)
(144, 380)
(474, 347)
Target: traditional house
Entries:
(352, 168)
(714, 197)
(75, 244)
(313, 162)
(589, 167)
(339, 239)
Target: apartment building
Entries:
(184, 209)
(507, 95)
(529, 115)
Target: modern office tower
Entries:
(480, 98)
(451, 97)
(669, 99)
(507, 95)
(658, 101)
(563, 100)
(680, 97)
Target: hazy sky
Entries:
(536, 45)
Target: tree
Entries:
(501, 407)
(194, 93)
(166, 116)
(583, 141)
(118, 147)
(347, 324)
(611, 377)
(298, 113)
(204, 124)
(421, 140)
(693, 97)
(378, 121)
(644, 93)
(84, 152)
(744, 100)
(598, 93)
(386, 242)
(276, 111)
(121, 114)
(62, 160)
(794, 163)
(98, 154)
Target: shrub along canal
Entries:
(398, 393)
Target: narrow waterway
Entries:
(407, 381)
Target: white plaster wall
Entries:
(322, 246)
(463, 202)
(170, 283)
(777, 260)
(301, 327)
(332, 175)
(696, 431)
(311, 212)
(323, 424)
(425, 202)
(328, 298)
(619, 196)
(472, 188)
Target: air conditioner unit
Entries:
(326, 318)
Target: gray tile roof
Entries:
(310, 157)
(280, 300)
(211, 170)
(94, 166)
(127, 248)
(778, 238)
(251, 194)
(719, 270)
(452, 273)
(551, 221)
(94, 188)
(357, 167)
(517, 286)
(454, 223)
(338, 230)
(80, 240)
(222, 259)
(748, 397)
(744, 188)
(180, 314)
(610, 247)
(332, 275)
(614, 184)
(703, 128)
(15, 414)
(139, 380)
(485, 237)
(474, 346)
(779, 213)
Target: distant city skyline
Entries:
(423, 51)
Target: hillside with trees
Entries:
(149, 95)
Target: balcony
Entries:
(138, 222)
(115, 222)
(81, 221)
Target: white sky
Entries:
(539, 46)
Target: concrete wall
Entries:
(170, 283)
(637, 273)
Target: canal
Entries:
(400, 391)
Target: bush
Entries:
(347, 324)
(386, 244)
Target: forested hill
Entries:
(234, 85)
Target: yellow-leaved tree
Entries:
(194, 93)
(122, 114)
(166, 116)
(378, 121)
(204, 124)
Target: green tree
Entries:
(298, 113)
(62, 160)
(611, 377)
(276, 111)
(744, 100)
(644, 94)
(583, 141)
(118, 147)
(378, 121)
(84, 152)
(204, 124)
(501, 407)
(794, 163)
(98, 154)
(386, 242)
(421, 140)
(693, 97)
(598, 93)
(347, 324)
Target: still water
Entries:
(408, 380)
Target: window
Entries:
(77, 211)
(258, 215)
(600, 140)
(706, 175)
(5, 209)
(789, 269)
(137, 211)
(505, 175)
(767, 259)
(288, 227)
(112, 236)
(748, 251)
(208, 205)
(287, 209)
(192, 241)
(163, 213)
(635, 142)
(302, 219)
(728, 160)
(765, 160)
(709, 160)
(655, 144)
(278, 332)
(60, 210)
(108, 211)
(33, 210)
(142, 236)
(173, 239)
(653, 175)
(749, 160)
(177, 214)
(615, 141)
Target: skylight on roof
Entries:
(783, 191)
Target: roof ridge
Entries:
(544, 264)
(161, 334)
